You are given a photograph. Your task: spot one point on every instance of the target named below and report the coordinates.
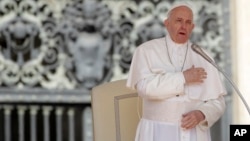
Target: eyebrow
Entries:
(179, 18)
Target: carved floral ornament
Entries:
(78, 44)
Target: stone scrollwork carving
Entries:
(78, 44)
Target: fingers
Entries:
(188, 122)
(195, 75)
(191, 119)
(199, 74)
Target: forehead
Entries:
(182, 12)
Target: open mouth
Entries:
(182, 33)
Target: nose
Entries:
(183, 25)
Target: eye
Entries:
(178, 20)
(189, 22)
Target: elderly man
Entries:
(182, 93)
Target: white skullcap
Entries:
(179, 4)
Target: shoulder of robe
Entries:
(151, 44)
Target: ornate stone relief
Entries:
(74, 45)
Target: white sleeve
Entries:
(161, 86)
(213, 110)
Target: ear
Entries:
(166, 22)
(193, 26)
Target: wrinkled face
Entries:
(180, 24)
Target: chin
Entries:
(182, 41)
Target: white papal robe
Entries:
(156, 73)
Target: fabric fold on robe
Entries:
(144, 65)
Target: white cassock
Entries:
(156, 73)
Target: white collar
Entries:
(173, 45)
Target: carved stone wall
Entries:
(78, 44)
(57, 50)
